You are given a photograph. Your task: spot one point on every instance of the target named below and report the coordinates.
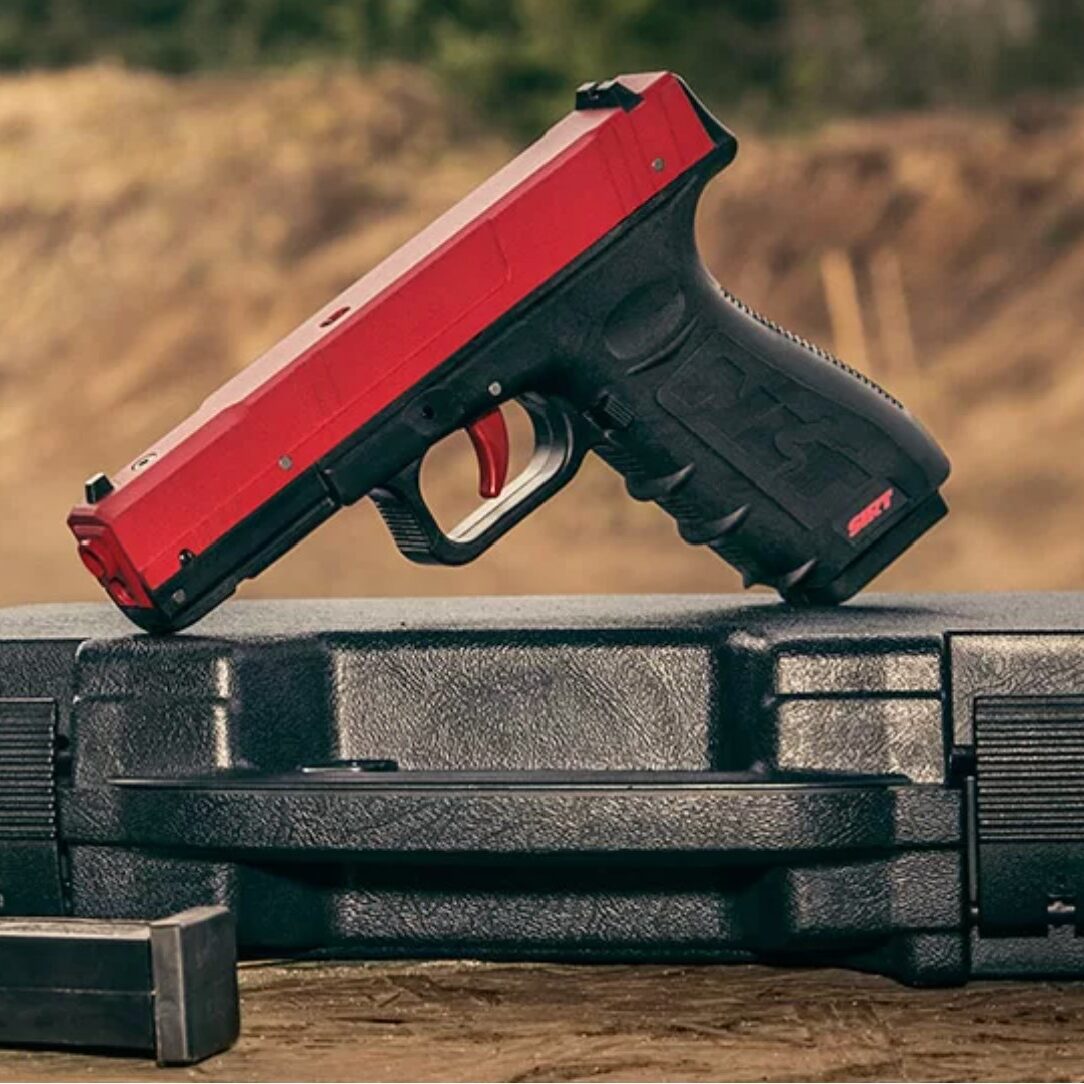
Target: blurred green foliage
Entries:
(516, 60)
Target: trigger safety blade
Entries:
(489, 436)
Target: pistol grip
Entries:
(799, 471)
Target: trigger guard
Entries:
(562, 438)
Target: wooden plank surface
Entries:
(468, 1021)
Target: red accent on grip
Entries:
(871, 513)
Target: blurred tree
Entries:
(1052, 54)
(850, 56)
(517, 59)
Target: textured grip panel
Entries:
(27, 794)
(1030, 779)
(793, 467)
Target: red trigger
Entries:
(489, 435)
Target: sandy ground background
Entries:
(156, 235)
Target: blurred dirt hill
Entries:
(155, 235)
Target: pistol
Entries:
(570, 282)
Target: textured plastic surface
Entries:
(571, 275)
(614, 779)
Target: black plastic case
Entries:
(894, 785)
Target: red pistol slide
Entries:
(570, 282)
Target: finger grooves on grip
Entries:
(660, 486)
(692, 526)
(705, 533)
(789, 580)
(622, 461)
